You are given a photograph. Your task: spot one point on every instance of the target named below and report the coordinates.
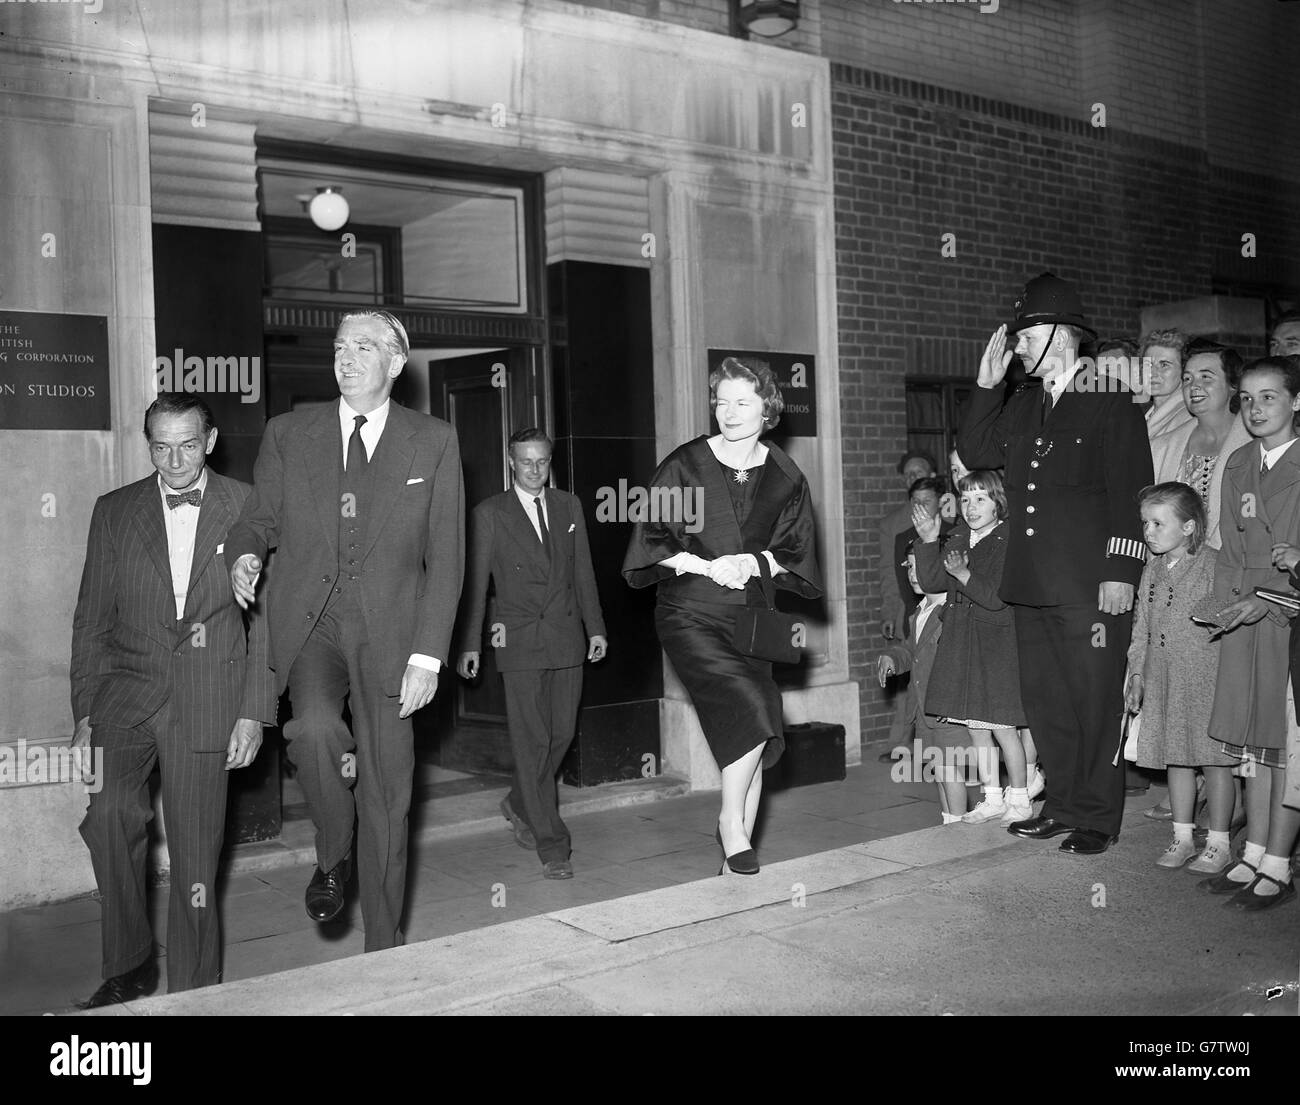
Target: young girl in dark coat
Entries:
(977, 668)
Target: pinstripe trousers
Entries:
(115, 830)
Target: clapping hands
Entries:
(927, 528)
(956, 564)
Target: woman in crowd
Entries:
(757, 515)
(1260, 520)
(1196, 452)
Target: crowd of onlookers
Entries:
(1208, 693)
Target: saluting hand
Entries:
(993, 365)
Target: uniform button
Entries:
(1032, 487)
(309, 616)
(1029, 532)
(1236, 590)
(324, 579)
(1033, 464)
(1029, 510)
(1241, 529)
(352, 577)
(1038, 441)
(338, 590)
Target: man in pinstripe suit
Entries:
(164, 672)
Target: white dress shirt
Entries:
(526, 500)
(371, 432)
(928, 606)
(182, 523)
(1269, 457)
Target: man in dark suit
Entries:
(363, 503)
(1076, 456)
(164, 672)
(532, 542)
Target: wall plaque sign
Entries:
(53, 371)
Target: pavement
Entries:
(865, 905)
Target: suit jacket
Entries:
(1167, 451)
(917, 656)
(130, 654)
(547, 608)
(1072, 485)
(411, 564)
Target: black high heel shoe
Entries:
(741, 863)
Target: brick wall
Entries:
(1132, 219)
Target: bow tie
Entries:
(191, 497)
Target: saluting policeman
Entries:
(1076, 455)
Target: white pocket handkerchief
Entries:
(573, 526)
(221, 548)
(418, 479)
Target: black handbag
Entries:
(763, 631)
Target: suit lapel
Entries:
(1284, 475)
(216, 516)
(324, 461)
(147, 517)
(521, 529)
(389, 469)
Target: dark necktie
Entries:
(191, 497)
(1046, 407)
(541, 524)
(356, 450)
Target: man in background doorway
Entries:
(531, 541)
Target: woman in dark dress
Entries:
(739, 500)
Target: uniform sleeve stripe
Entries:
(1126, 546)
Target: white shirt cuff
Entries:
(429, 663)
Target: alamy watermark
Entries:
(240, 376)
(630, 503)
(24, 765)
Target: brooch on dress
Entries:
(741, 475)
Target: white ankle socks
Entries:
(949, 818)
(1275, 867)
(1183, 833)
(1220, 840)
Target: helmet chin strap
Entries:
(1050, 338)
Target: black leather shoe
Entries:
(1039, 828)
(744, 863)
(1247, 899)
(523, 834)
(1087, 842)
(138, 982)
(326, 891)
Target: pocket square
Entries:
(221, 548)
(573, 526)
(418, 479)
